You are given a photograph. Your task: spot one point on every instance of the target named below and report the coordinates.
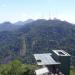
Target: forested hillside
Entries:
(39, 36)
(17, 68)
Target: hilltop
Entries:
(38, 36)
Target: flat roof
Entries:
(41, 71)
(45, 59)
(61, 53)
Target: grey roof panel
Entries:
(45, 59)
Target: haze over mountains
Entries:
(22, 40)
(24, 22)
(8, 26)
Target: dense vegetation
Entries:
(39, 36)
(17, 68)
(72, 71)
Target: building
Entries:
(57, 62)
(64, 58)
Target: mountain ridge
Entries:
(39, 36)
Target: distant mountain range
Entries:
(24, 22)
(39, 36)
(7, 26)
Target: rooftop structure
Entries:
(57, 62)
(61, 53)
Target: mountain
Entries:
(19, 23)
(7, 26)
(45, 35)
(28, 21)
(25, 22)
(40, 36)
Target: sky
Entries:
(21, 10)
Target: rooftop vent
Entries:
(38, 60)
(60, 53)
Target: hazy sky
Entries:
(20, 10)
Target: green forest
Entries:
(17, 68)
(39, 36)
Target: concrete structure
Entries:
(57, 62)
(64, 58)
